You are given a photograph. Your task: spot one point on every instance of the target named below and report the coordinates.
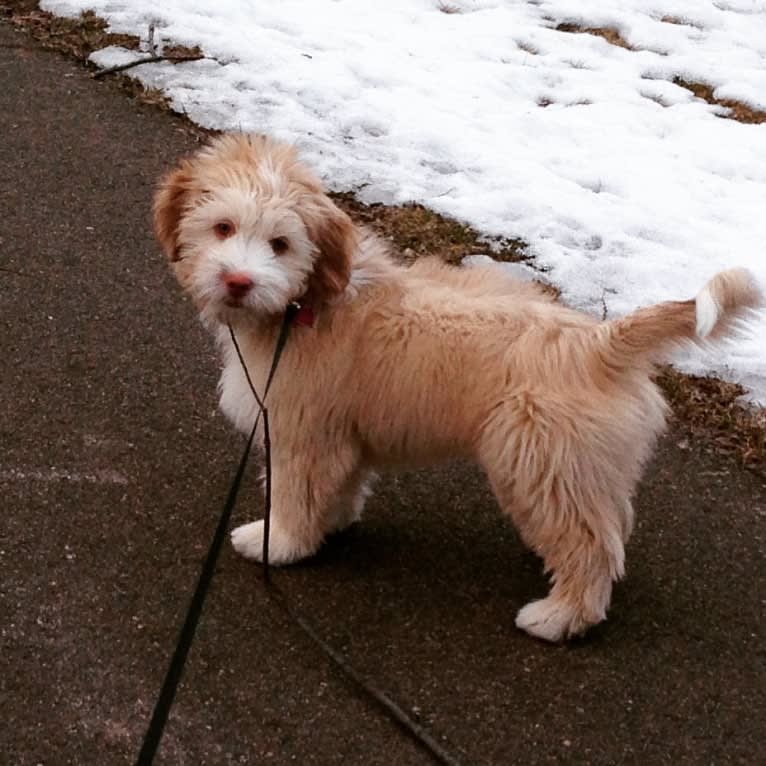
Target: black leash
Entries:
(159, 718)
(167, 693)
(153, 734)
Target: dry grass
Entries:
(77, 38)
(704, 407)
(612, 36)
(417, 231)
(737, 110)
(678, 21)
(710, 409)
(528, 48)
(182, 51)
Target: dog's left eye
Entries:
(223, 229)
(279, 245)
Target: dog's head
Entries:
(249, 229)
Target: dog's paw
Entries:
(248, 542)
(550, 619)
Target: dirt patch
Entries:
(705, 407)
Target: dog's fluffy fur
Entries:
(405, 366)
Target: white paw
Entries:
(550, 619)
(248, 542)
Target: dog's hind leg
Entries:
(570, 520)
(306, 488)
(583, 563)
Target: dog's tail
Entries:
(653, 331)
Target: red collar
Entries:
(305, 315)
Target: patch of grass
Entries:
(139, 91)
(77, 37)
(609, 34)
(527, 48)
(417, 231)
(737, 110)
(710, 408)
(681, 22)
(181, 51)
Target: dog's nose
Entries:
(237, 284)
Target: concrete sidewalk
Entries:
(113, 469)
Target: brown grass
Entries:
(417, 231)
(528, 48)
(678, 21)
(737, 110)
(612, 36)
(77, 38)
(705, 408)
(709, 408)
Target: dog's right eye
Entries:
(223, 229)
(279, 245)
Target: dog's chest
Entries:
(236, 401)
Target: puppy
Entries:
(406, 366)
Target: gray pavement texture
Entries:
(114, 466)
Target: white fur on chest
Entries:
(236, 401)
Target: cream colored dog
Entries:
(405, 366)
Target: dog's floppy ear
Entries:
(334, 235)
(169, 201)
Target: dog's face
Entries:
(249, 229)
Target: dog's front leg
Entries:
(305, 490)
